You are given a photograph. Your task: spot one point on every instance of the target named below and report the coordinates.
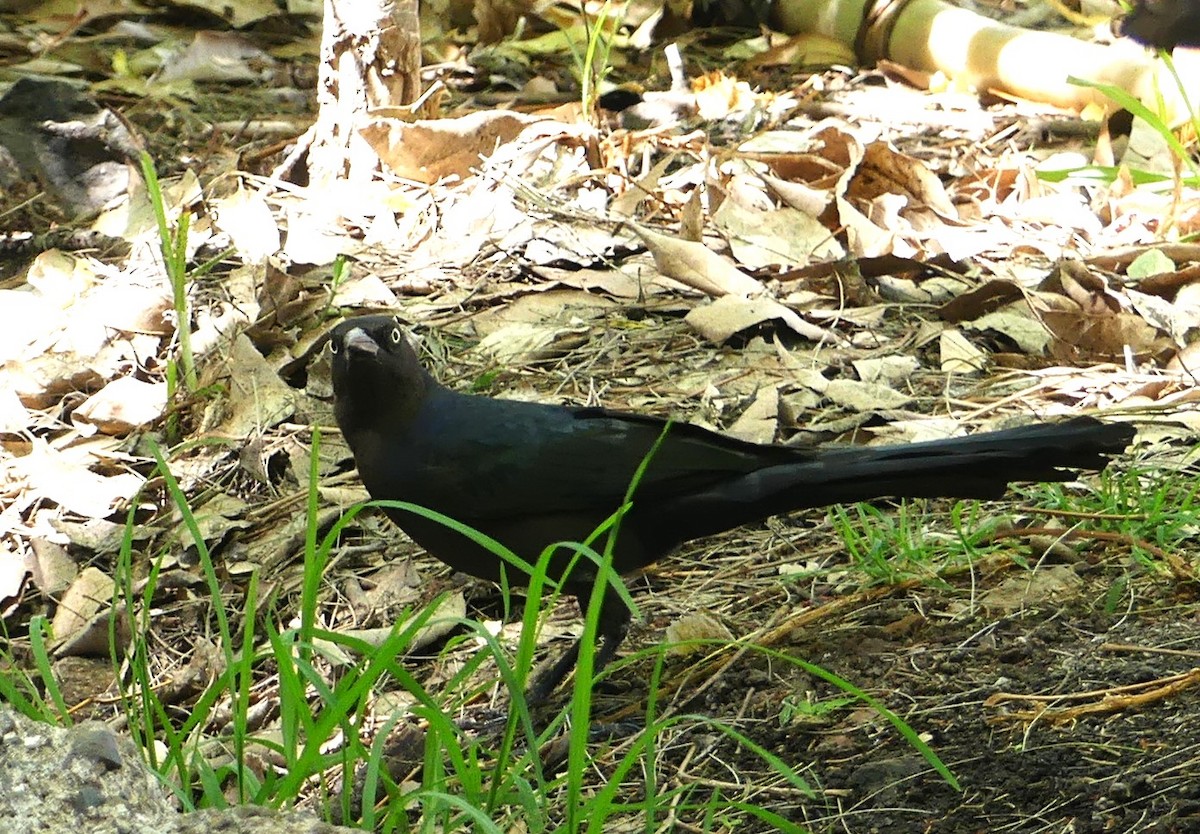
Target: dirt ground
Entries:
(1107, 741)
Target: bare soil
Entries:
(1108, 741)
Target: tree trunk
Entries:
(370, 60)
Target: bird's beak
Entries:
(358, 341)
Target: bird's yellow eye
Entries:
(396, 336)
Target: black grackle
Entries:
(530, 475)
(1163, 24)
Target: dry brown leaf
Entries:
(135, 217)
(215, 519)
(837, 147)
(446, 618)
(52, 568)
(917, 430)
(61, 279)
(625, 206)
(315, 226)
(1080, 338)
(1088, 290)
(743, 187)
(364, 291)
(393, 586)
(15, 572)
(1018, 323)
(819, 157)
(697, 266)
(127, 306)
(811, 201)
(562, 307)
(1166, 284)
(989, 296)
(759, 422)
(1177, 319)
(65, 477)
(432, 149)
(122, 405)
(1187, 359)
(47, 353)
(691, 217)
(782, 237)
(959, 356)
(1069, 210)
(1148, 150)
(89, 594)
(100, 536)
(13, 415)
(257, 397)
(887, 370)
(865, 238)
(247, 219)
(884, 171)
(732, 314)
(695, 626)
(1049, 584)
(623, 282)
(865, 396)
(524, 343)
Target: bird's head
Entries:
(376, 374)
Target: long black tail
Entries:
(977, 466)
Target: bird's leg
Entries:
(547, 681)
(614, 623)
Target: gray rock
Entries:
(57, 780)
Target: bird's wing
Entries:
(473, 457)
